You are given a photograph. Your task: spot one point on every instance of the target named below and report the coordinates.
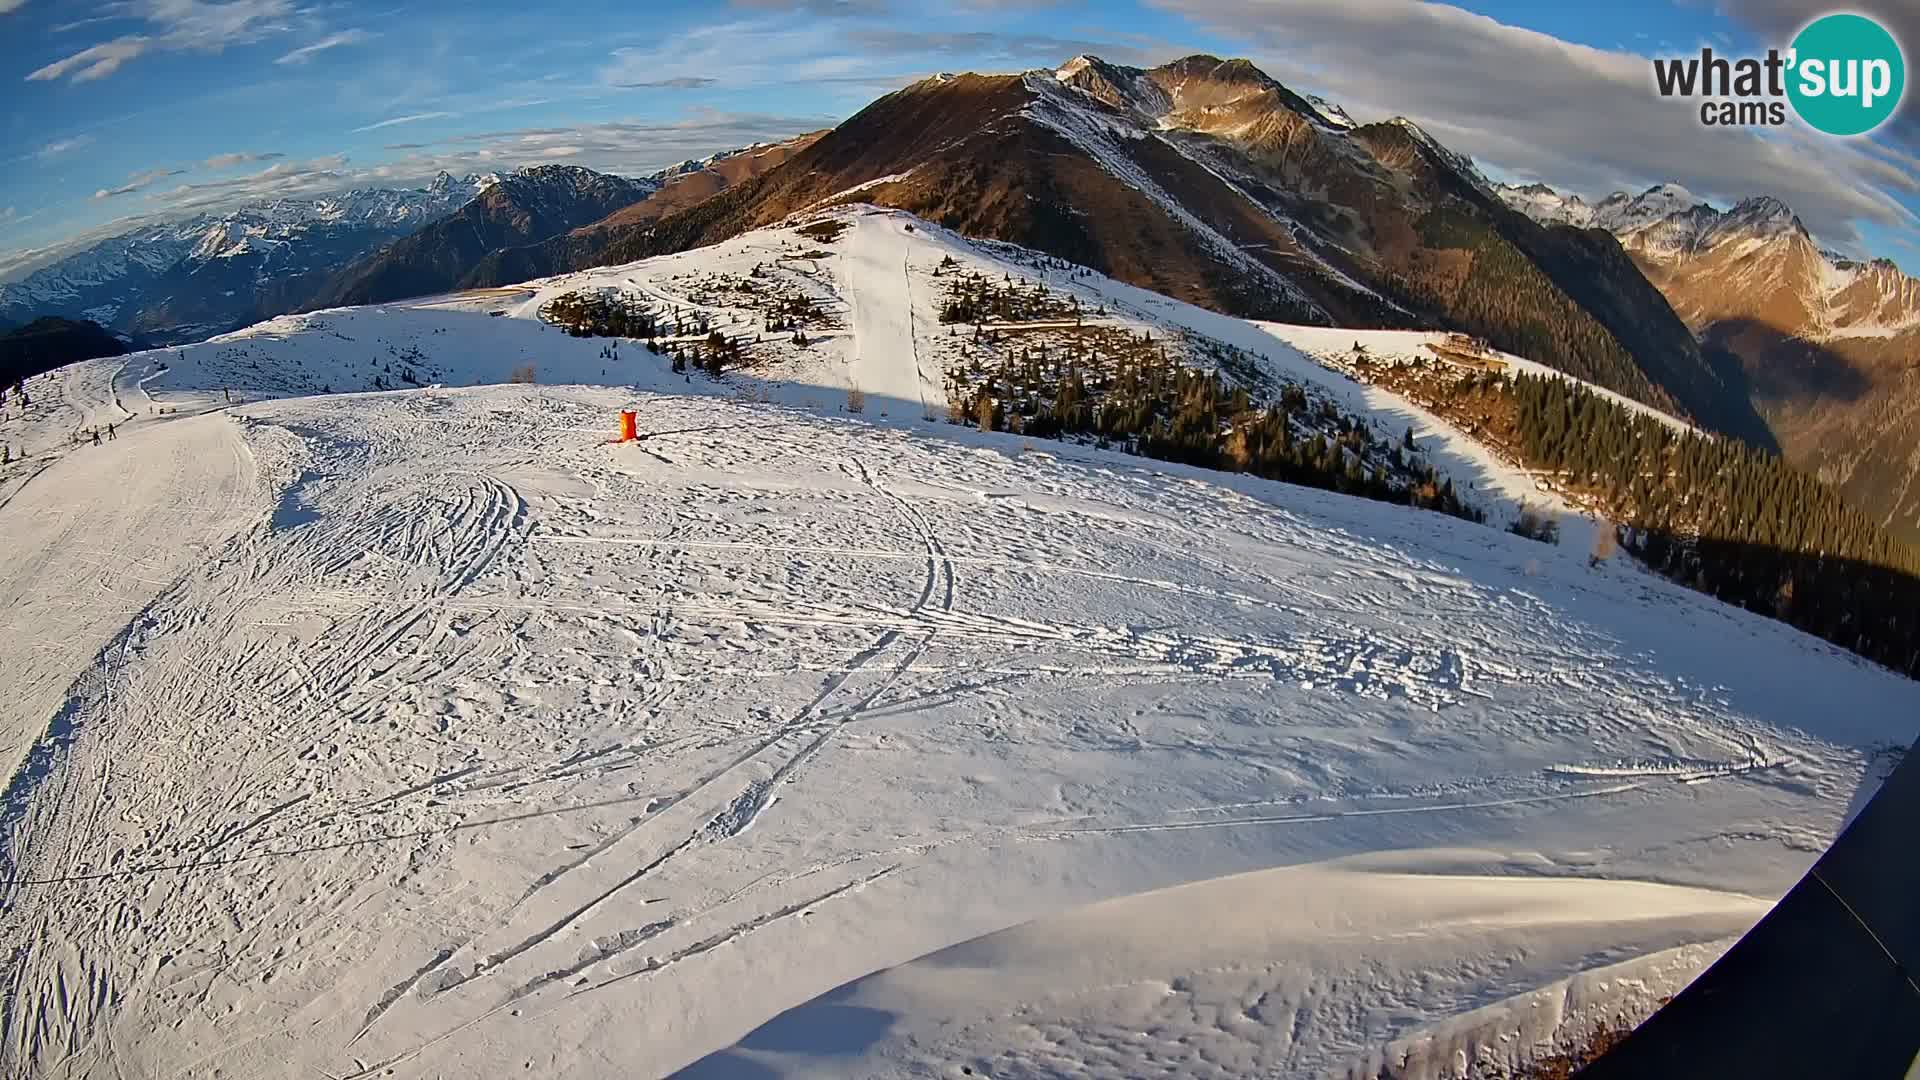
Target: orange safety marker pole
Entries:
(629, 426)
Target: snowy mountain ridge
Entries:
(1759, 238)
(115, 272)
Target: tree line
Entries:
(1729, 520)
(1147, 403)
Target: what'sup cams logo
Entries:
(1844, 74)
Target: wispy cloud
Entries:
(623, 147)
(95, 61)
(7, 213)
(398, 120)
(8, 7)
(682, 82)
(788, 49)
(332, 41)
(819, 7)
(208, 26)
(137, 182)
(286, 179)
(228, 161)
(61, 147)
(81, 24)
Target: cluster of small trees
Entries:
(1147, 403)
(824, 231)
(714, 355)
(974, 298)
(600, 314)
(793, 313)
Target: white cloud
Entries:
(95, 61)
(137, 182)
(782, 50)
(60, 147)
(286, 179)
(398, 120)
(208, 26)
(8, 7)
(626, 147)
(228, 161)
(1583, 118)
(332, 41)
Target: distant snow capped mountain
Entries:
(1668, 222)
(520, 207)
(182, 279)
(1828, 343)
(694, 165)
(1545, 205)
(1620, 213)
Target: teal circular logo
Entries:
(1847, 74)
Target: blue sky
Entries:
(128, 109)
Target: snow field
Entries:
(469, 742)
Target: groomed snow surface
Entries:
(429, 733)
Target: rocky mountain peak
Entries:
(1761, 217)
(1118, 86)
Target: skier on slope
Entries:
(110, 435)
(96, 436)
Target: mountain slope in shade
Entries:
(1209, 181)
(187, 279)
(521, 207)
(1830, 346)
(51, 342)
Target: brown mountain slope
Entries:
(963, 151)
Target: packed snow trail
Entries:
(874, 264)
(492, 747)
(94, 538)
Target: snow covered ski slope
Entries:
(469, 743)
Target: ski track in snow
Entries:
(429, 731)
